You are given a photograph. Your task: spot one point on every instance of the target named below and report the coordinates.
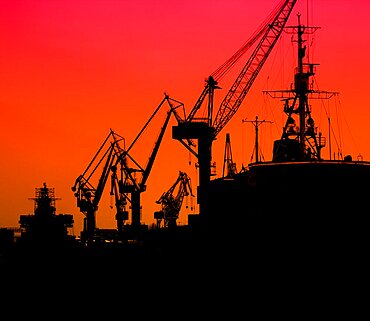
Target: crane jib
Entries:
(246, 77)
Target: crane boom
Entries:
(245, 79)
(154, 153)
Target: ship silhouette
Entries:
(298, 205)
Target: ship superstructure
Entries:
(45, 226)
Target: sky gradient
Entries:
(72, 70)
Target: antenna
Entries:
(256, 123)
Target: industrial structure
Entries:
(172, 200)
(43, 236)
(128, 179)
(229, 167)
(45, 225)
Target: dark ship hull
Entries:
(314, 193)
(308, 214)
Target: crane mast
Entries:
(205, 130)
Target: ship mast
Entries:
(300, 140)
(302, 89)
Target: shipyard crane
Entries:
(117, 162)
(229, 168)
(88, 188)
(206, 129)
(133, 177)
(171, 202)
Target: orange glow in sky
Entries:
(72, 70)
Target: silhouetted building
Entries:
(45, 228)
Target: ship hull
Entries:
(293, 206)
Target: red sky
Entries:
(71, 70)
